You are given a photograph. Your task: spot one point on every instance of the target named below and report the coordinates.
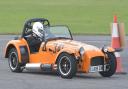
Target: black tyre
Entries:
(13, 61)
(66, 65)
(111, 66)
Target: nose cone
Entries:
(78, 44)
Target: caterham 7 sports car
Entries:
(57, 52)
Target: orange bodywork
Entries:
(16, 44)
(56, 47)
(86, 63)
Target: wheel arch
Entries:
(69, 52)
(8, 48)
(22, 51)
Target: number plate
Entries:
(96, 68)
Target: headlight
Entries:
(82, 51)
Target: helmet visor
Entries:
(41, 31)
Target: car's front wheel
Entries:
(66, 65)
(111, 66)
(13, 61)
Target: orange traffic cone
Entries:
(115, 35)
(119, 69)
(116, 44)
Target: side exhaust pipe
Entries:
(40, 67)
(33, 66)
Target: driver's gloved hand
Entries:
(34, 35)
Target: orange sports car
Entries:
(52, 48)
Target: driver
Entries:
(36, 37)
(38, 31)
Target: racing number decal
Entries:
(58, 47)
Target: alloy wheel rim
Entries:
(13, 60)
(65, 65)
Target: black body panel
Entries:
(24, 54)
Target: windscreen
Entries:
(57, 32)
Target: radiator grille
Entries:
(97, 61)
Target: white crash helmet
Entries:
(38, 29)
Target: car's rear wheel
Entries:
(14, 61)
(66, 65)
(111, 66)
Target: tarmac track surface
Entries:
(39, 80)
